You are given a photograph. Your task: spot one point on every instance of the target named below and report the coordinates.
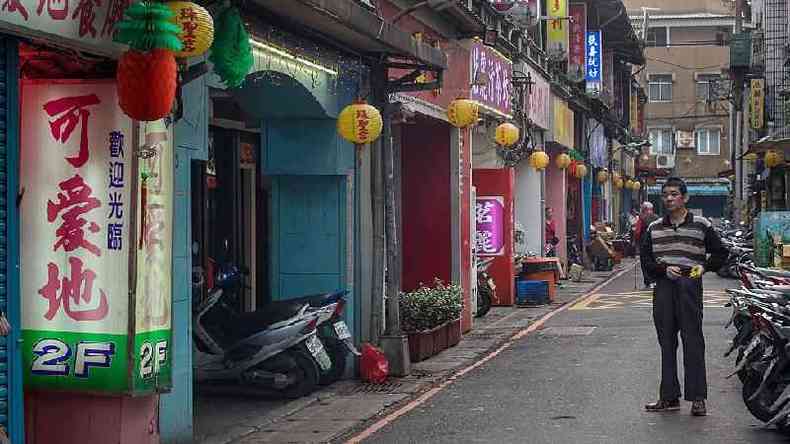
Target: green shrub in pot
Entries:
(429, 307)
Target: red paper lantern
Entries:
(147, 83)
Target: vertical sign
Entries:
(757, 103)
(539, 103)
(75, 172)
(558, 28)
(634, 112)
(593, 61)
(490, 218)
(495, 94)
(152, 345)
(563, 123)
(576, 45)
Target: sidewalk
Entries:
(345, 406)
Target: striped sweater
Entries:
(693, 242)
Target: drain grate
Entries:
(387, 387)
(567, 331)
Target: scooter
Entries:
(486, 288)
(276, 348)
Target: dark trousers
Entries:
(677, 307)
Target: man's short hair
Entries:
(677, 183)
(647, 205)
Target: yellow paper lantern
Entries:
(563, 161)
(359, 123)
(506, 134)
(603, 176)
(617, 181)
(539, 160)
(197, 28)
(636, 185)
(772, 159)
(463, 113)
(580, 171)
(629, 184)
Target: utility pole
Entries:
(738, 105)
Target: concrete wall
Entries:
(680, 6)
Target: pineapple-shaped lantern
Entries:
(147, 72)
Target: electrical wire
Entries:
(689, 68)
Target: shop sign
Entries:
(558, 28)
(490, 219)
(152, 351)
(539, 102)
(757, 104)
(85, 23)
(522, 12)
(633, 112)
(576, 44)
(563, 123)
(78, 173)
(494, 95)
(593, 61)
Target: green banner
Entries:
(152, 362)
(64, 360)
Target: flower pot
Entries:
(439, 338)
(420, 345)
(453, 332)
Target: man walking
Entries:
(675, 251)
(646, 217)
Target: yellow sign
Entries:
(634, 114)
(558, 28)
(563, 123)
(757, 103)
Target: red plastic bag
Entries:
(374, 365)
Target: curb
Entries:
(409, 405)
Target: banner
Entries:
(495, 94)
(593, 61)
(576, 44)
(490, 216)
(558, 29)
(563, 123)
(75, 173)
(152, 345)
(757, 104)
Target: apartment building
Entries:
(687, 116)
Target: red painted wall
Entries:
(68, 418)
(500, 182)
(426, 209)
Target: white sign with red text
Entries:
(75, 176)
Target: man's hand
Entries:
(673, 272)
(697, 272)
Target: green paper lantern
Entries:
(231, 52)
(148, 26)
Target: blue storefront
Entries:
(709, 199)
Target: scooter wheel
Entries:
(483, 301)
(759, 407)
(338, 355)
(305, 373)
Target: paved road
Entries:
(584, 379)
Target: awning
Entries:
(767, 144)
(697, 190)
(357, 27)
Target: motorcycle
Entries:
(486, 288)
(276, 348)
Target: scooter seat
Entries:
(314, 300)
(248, 324)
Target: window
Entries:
(660, 87)
(661, 141)
(657, 37)
(708, 141)
(707, 86)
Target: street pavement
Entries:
(584, 378)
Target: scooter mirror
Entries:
(739, 233)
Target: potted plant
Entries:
(428, 314)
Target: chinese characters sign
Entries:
(593, 65)
(557, 28)
(75, 170)
(578, 26)
(757, 103)
(86, 23)
(563, 123)
(490, 218)
(539, 98)
(495, 94)
(152, 368)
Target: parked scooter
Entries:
(486, 288)
(276, 348)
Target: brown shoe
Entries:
(698, 408)
(663, 405)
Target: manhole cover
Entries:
(387, 387)
(567, 331)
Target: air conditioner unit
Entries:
(665, 161)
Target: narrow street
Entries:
(584, 378)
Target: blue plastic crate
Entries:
(532, 292)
